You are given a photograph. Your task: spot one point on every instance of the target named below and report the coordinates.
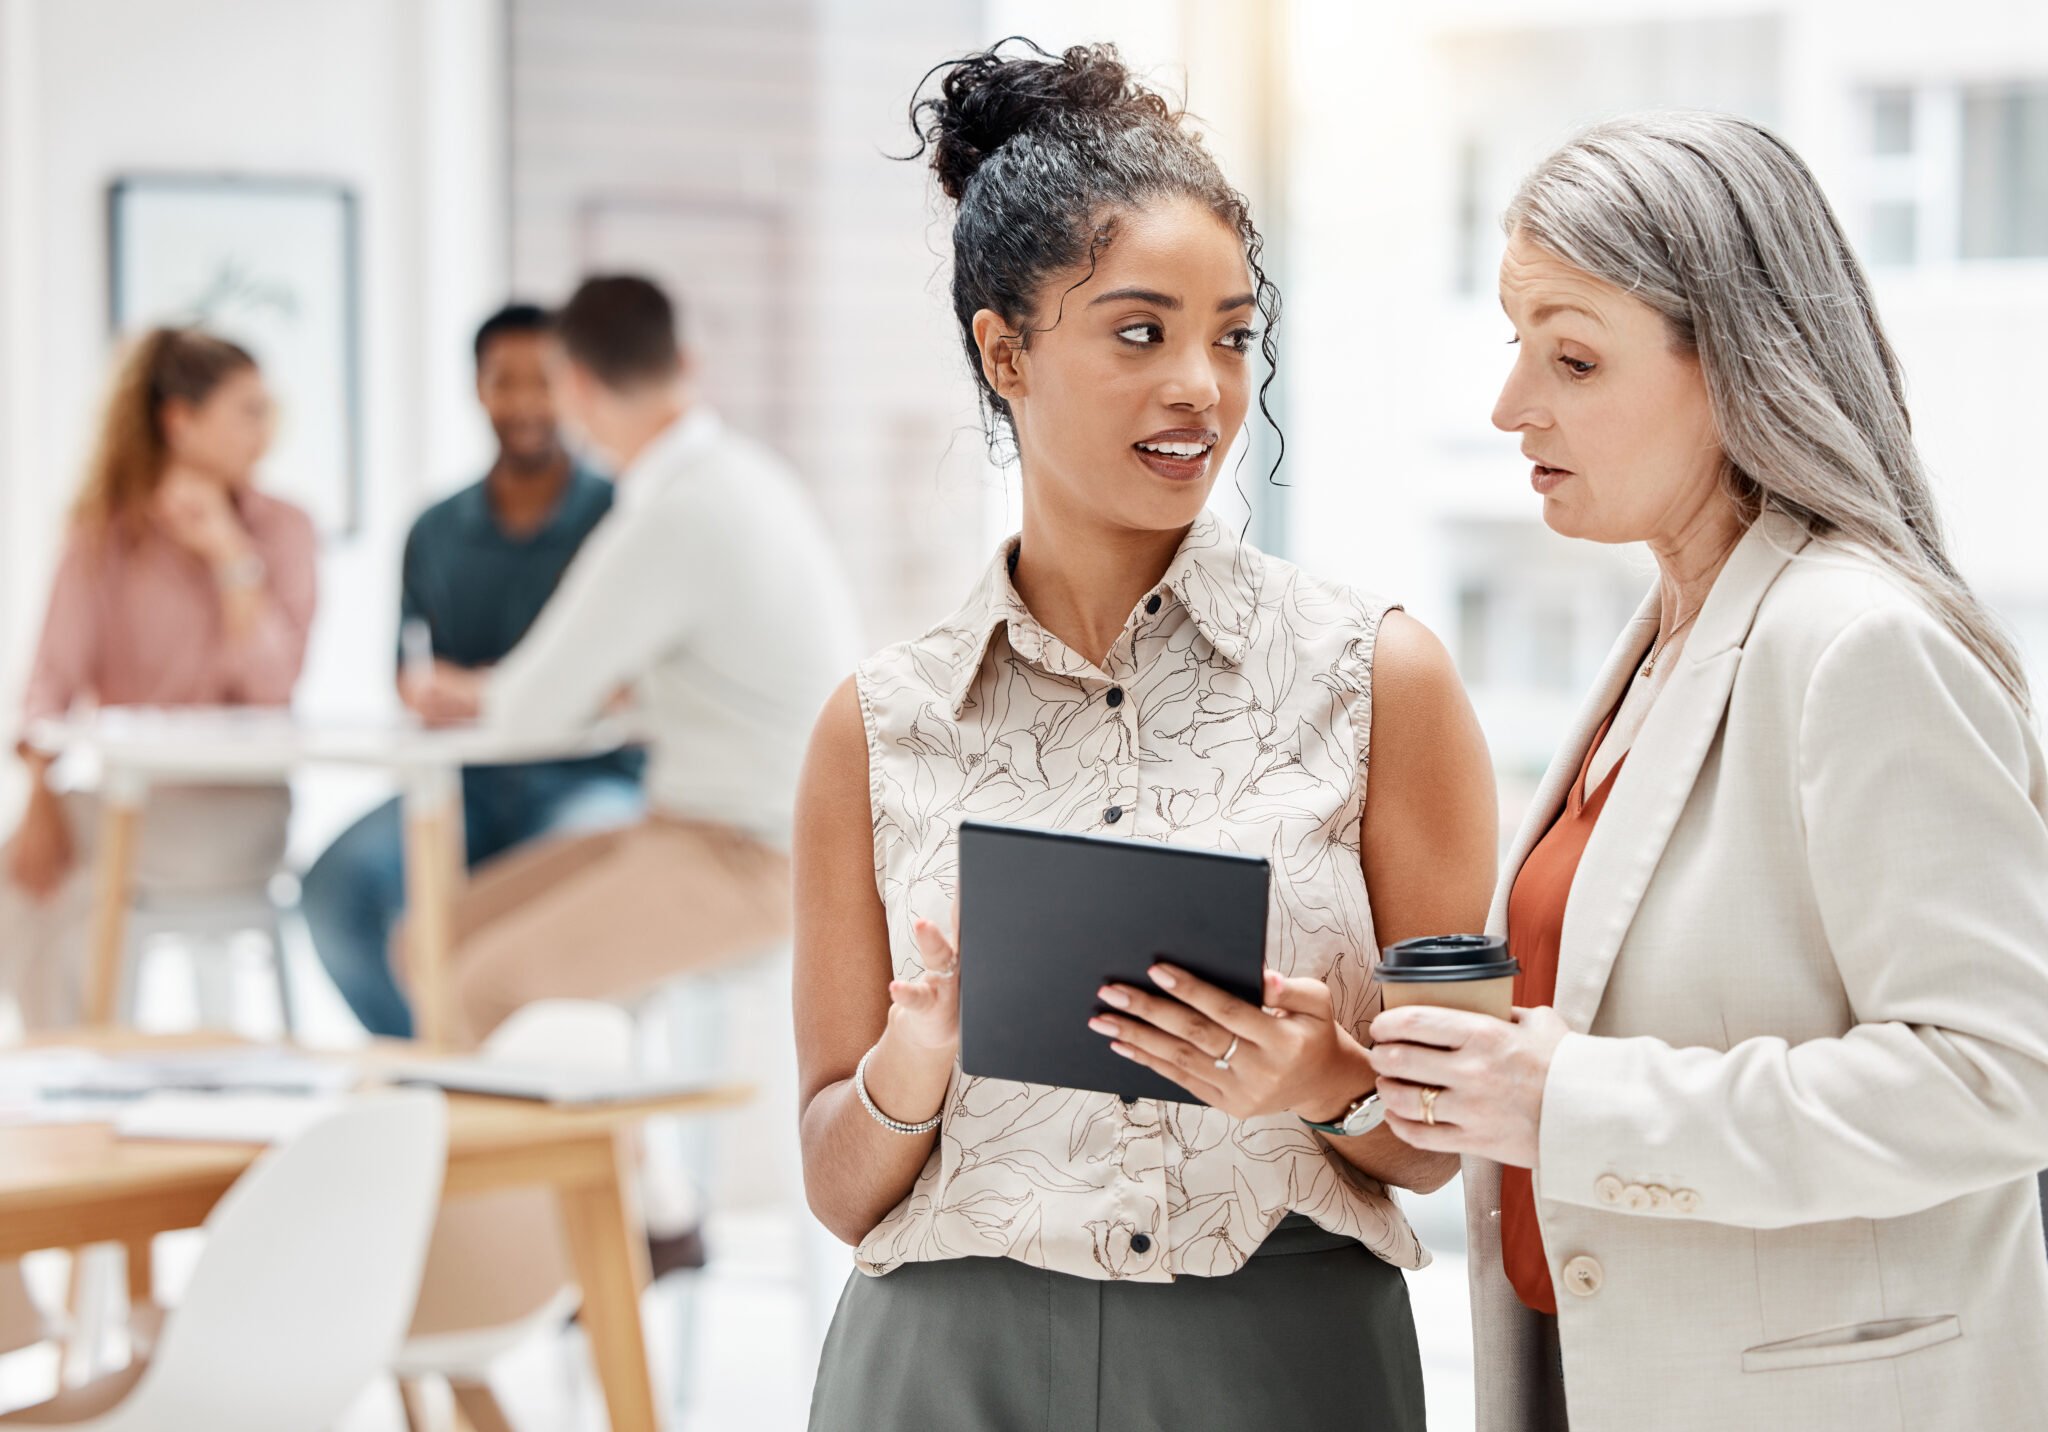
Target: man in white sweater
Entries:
(710, 598)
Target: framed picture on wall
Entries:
(271, 264)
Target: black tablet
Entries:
(1046, 917)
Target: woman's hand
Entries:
(197, 514)
(1293, 1060)
(911, 1065)
(925, 1012)
(41, 855)
(1489, 1077)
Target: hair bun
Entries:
(986, 98)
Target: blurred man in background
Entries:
(478, 568)
(712, 597)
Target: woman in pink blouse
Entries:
(179, 585)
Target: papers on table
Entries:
(539, 1082)
(69, 1086)
(222, 1118)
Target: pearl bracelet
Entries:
(860, 1087)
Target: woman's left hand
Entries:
(1295, 1059)
(1488, 1074)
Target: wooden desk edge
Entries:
(573, 1149)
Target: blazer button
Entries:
(1583, 1276)
(1660, 1197)
(1685, 1201)
(1635, 1198)
(1607, 1188)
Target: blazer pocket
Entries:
(1864, 1342)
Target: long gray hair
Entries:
(1714, 222)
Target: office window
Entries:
(2005, 171)
(1896, 175)
(1891, 121)
(1475, 604)
(1472, 219)
(1517, 92)
(1535, 611)
(1894, 226)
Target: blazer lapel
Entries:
(1550, 796)
(1663, 762)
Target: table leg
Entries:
(141, 1270)
(433, 865)
(113, 880)
(610, 1274)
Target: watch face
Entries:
(1365, 1118)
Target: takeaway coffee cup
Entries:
(1472, 972)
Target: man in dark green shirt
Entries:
(478, 568)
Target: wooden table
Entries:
(136, 747)
(71, 1185)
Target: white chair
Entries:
(21, 1322)
(498, 1271)
(311, 1264)
(206, 923)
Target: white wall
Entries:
(739, 156)
(400, 99)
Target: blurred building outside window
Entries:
(2005, 170)
(1954, 172)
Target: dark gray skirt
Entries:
(1312, 1334)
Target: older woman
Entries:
(1758, 1151)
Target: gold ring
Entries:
(1429, 1104)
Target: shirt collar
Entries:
(666, 457)
(471, 507)
(1211, 575)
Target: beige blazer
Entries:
(1785, 1172)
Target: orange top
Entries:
(1535, 929)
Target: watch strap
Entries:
(1337, 1130)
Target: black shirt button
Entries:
(1115, 697)
(1141, 1243)
(1113, 814)
(1152, 604)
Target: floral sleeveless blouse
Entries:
(1235, 713)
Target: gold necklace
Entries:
(1658, 649)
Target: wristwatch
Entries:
(1363, 1116)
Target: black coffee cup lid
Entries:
(1446, 958)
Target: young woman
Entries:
(1040, 1256)
(179, 584)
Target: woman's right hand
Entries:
(41, 855)
(200, 517)
(926, 1011)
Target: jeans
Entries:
(355, 891)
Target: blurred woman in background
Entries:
(179, 585)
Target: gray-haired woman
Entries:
(1758, 1150)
